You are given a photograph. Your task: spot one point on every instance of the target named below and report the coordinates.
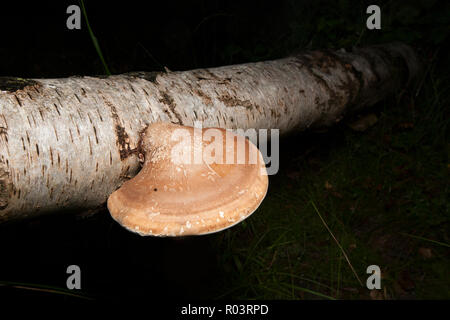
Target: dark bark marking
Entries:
(323, 64)
(230, 101)
(95, 133)
(37, 149)
(205, 98)
(354, 77)
(99, 115)
(324, 61)
(11, 84)
(79, 114)
(212, 75)
(90, 145)
(169, 101)
(200, 75)
(4, 119)
(18, 100)
(123, 139)
(71, 136)
(57, 110)
(77, 97)
(4, 132)
(56, 133)
(149, 76)
(51, 156)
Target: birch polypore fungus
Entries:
(193, 181)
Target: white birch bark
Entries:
(67, 144)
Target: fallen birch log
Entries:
(67, 144)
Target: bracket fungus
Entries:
(193, 181)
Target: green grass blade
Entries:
(43, 288)
(425, 239)
(94, 40)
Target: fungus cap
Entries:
(178, 193)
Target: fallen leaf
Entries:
(425, 253)
(328, 186)
(364, 122)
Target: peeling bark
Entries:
(67, 144)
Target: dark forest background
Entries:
(383, 192)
